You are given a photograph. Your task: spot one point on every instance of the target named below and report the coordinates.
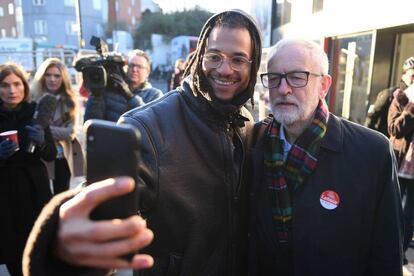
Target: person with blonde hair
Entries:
(53, 77)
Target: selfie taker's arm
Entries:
(79, 243)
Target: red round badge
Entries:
(329, 200)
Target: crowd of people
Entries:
(303, 192)
(31, 177)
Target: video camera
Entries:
(96, 69)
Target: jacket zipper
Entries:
(235, 193)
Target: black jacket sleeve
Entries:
(48, 150)
(38, 257)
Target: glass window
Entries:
(3, 32)
(351, 59)
(70, 27)
(317, 6)
(11, 8)
(99, 30)
(404, 42)
(13, 32)
(97, 4)
(19, 14)
(40, 27)
(38, 2)
(69, 3)
(1, 11)
(283, 11)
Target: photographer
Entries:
(111, 102)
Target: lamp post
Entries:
(79, 25)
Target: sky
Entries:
(210, 5)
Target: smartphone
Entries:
(112, 150)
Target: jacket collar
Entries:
(203, 106)
(333, 139)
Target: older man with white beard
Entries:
(324, 197)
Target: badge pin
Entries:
(329, 200)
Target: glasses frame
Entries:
(139, 66)
(285, 76)
(223, 57)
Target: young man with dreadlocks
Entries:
(325, 197)
(194, 141)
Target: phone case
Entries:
(112, 150)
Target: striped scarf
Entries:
(283, 177)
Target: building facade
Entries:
(11, 20)
(55, 22)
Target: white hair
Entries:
(317, 54)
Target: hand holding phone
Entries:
(81, 241)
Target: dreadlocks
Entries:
(229, 19)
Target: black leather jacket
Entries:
(197, 209)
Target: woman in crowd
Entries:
(24, 185)
(53, 77)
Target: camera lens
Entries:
(95, 77)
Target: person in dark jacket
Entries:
(378, 112)
(177, 74)
(194, 139)
(401, 130)
(325, 198)
(133, 92)
(24, 188)
(377, 117)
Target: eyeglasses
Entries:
(294, 79)
(139, 66)
(237, 63)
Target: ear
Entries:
(325, 85)
(148, 72)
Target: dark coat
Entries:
(401, 124)
(24, 188)
(362, 236)
(198, 214)
(377, 118)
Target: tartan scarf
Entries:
(283, 177)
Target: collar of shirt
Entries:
(286, 145)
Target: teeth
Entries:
(224, 82)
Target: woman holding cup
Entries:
(24, 180)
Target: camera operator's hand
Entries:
(121, 83)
